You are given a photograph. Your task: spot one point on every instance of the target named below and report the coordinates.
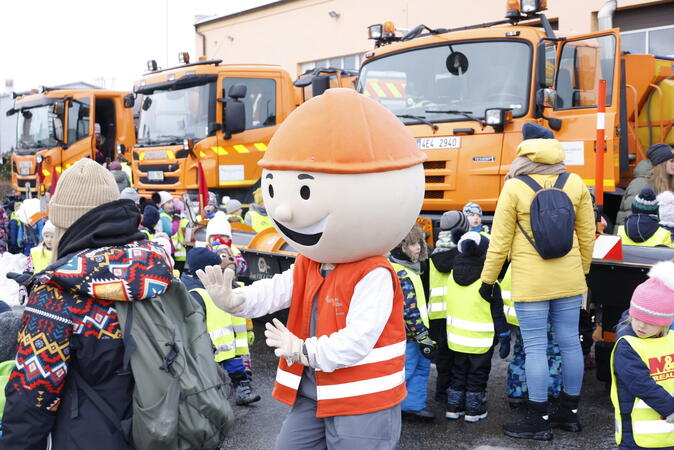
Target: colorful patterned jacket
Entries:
(70, 325)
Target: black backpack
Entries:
(553, 218)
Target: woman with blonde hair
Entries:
(661, 177)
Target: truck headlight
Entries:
(39, 158)
(497, 117)
(529, 6)
(374, 31)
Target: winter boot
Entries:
(535, 425)
(244, 394)
(565, 416)
(423, 415)
(456, 404)
(476, 406)
(515, 402)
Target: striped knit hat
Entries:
(645, 202)
(653, 300)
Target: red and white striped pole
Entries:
(599, 154)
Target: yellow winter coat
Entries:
(534, 278)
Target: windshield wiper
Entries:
(421, 119)
(466, 114)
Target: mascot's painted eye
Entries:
(305, 192)
(271, 191)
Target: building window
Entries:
(656, 41)
(348, 62)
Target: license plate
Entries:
(155, 175)
(439, 142)
(157, 154)
(24, 168)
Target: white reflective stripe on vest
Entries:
(438, 291)
(241, 343)
(469, 325)
(506, 295)
(434, 307)
(509, 311)
(288, 379)
(469, 342)
(383, 353)
(220, 332)
(240, 328)
(642, 404)
(358, 388)
(652, 427)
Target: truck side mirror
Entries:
(235, 117)
(546, 97)
(129, 100)
(121, 148)
(320, 84)
(238, 91)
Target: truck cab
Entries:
(55, 129)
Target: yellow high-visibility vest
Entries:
(259, 222)
(41, 258)
(648, 428)
(418, 289)
(506, 294)
(661, 237)
(178, 239)
(470, 327)
(228, 333)
(437, 301)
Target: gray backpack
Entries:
(180, 395)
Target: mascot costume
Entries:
(343, 183)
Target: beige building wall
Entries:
(292, 32)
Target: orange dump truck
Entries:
(466, 93)
(55, 129)
(219, 115)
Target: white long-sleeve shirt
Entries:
(369, 311)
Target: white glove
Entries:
(219, 287)
(287, 344)
(670, 418)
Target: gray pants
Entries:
(302, 430)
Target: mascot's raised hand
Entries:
(218, 284)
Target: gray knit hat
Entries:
(129, 194)
(453, 219)
(81, 188)
(659, 153)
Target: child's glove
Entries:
(489, 291)
(427, 346)
(251, 338)
(504, 344)
(670, 418)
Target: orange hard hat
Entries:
(341, 131)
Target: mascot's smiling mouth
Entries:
(306, 236)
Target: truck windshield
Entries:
(169, 116)
(38, 128)
(448, 82)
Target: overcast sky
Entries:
(45, 42)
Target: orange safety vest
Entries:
(373, 384)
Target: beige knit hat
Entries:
(80, 189)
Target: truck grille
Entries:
(435, 164)
(166, 180)
(433, 194)
(158, 167)
(435, 179)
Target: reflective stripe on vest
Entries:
(661, 237)
(649, 429)
(470, 328)
(375, 383)
(41, 258)
(224, 329)
(437, 302)
(259, 222)
(506, 294)
(418, 289)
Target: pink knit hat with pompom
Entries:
(653, 300)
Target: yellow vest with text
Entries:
(662, 237)
(41, 258)
(508, 302)
(228, 333)
(437, 300)
(259, 222)
(418, 289)
(470, 327)
(649, 429)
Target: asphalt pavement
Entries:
(257, 426)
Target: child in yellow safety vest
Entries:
(41, 255)
(409, 261)
(642, 365)
(228, 333)
(642, 227)
(475, 320)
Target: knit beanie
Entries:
(200, 257)
(659, 153)
(129, 193)
(82, 187)
(218, 225)
(471, 243)
(645, 202)
(233, 205)
(453, 219)
(48, 228)
(535, 131)
(164, 197)
(666, 207)
(115, 165)
(212, 199)
(150, 216)
(653, 300)
(472, 208)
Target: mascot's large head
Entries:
(343, 179)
